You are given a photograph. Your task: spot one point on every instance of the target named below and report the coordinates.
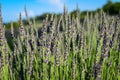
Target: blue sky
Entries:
(12, 8)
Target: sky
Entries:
(12, 8)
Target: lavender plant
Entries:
(65, 48)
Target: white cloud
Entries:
(30, 14)
(57, 3)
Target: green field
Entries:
(62, 48)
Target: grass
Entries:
(64, 48)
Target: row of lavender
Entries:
(66, 48)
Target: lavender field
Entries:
(64, 48)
